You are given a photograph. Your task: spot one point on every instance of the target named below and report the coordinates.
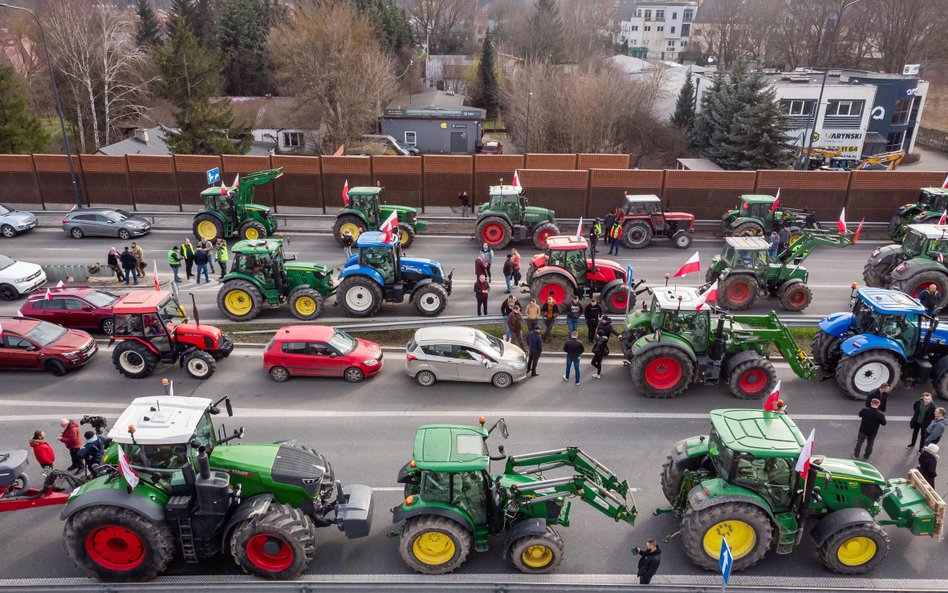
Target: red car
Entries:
(76, 307)
(320, 351)
(34, 344)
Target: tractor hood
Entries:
(420, 265)
(836, 324)
(198, 331)
(258, 208)
(842, 469)
(679, 216)
(538, 214)
(402, 210)
(880, 253)
(611, 265)
(286, 465)
(317, 269)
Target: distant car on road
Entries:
(13, 221)
(320, 351)
(34, 344)
(492, 147)
(19, 278)
(77, 307)
(463, 354)
(104, 222)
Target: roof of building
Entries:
(886, 300)
(699, 165)
(759, 432)
(450, 448)
(165, 419)
(275, 113)
(153, 143)
(439, 104)
(748, 243)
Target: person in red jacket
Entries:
(70, 438)
(43, 452)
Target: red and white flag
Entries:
(126, 468)
(841, 223)
(771, 404)
(236, 181)
(345, 193)
(1, 331)
(579, 229)
(388, 227)
(49, 295)
(944, 217)
(155, 276)
(692, 265)
(708, 296)
(944, 184)
(516, 179)
(803, 461)
(858, 229)
(223, 188)
(776, 204)
(60, 284)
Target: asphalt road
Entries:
(831, 270)
(366, 430)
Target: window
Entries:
(648, 15)
(659, 15)
(660, 28)
(17, 343)
(797, 107)
(646, 42)
(295, 347)
(634, 28)
(292, 139)
(688, 15)
(685, 30)
(844, 108)
(682, 43)
(673, 30)
(674, 16)
(648, 28)
(443, 350)
(901, 112)
(411, 138)
(894, 141)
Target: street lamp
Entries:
(527, 149)
(829, 62)
(59, 107)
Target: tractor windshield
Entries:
(172, 312)
(913, 243)
(903, 328)
(938, 249)
(927, 201)
(691, 325)
(721, 456)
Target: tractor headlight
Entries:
(370, 362)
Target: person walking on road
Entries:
(936, 428)
(549, 311)
(174, 261)
(923, 412)
(535, 342)
(515, 258)
(43, 452)
(481, 291)
(615, 234)
(115, 264)
(573, 310)
(70, 439)
(508, 271)
(649, 560)
(515, 327)
(592, 313)
(488, 254)
(201, 258)
(221, 255)
(573, 349)
(129, 266)
(465, 204)
(872, 419)
(533, 315)
(600, 351)
(928, 463)
(347, 243)
(930, 298)
(187, 252)
(139, 258)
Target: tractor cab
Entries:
(151, 316)
(366, 200)
(746, 253)
(675, 310)
(508, 199)
(569, 253)
(889, 314)
(263, 259)
(930, 240)
(758, 207)
(377, 254)
(932, 198)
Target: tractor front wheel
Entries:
(748, 229)
(746, 528)
(873, 274)
(542, 233)
(856, 549)
(134, 360)
(752, 379)
(430, 544)
(661, 372)
(253, 230)
(208, 227)
(894, 223)
(360, 296)
(348, 222)
(430, 300)
(279, 545)
(826, 352)
(860, 375)
(199, 364)
(494, 231)
(618, 299)
(739, 292)
(914, 285)
(551, 285)
(239, 300)
(796, 297)
(671, 479)
(306, 303)
(682, 239)
(538, 554)
(406, 235)
(636, 235)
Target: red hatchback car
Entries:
(34, 344)
(320, 351)
(77, 307)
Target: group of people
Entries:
(482, 275)
(128, 264)
(203, 255)
(84, 451)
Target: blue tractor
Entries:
(379, 273)
(886, 337)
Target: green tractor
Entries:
(674, 344)
(262, 275)
(200, 498)
(230, 210)
(931, 204)
(756, 216)
(365, 212)
(744, 270)
(507, 217)
(454, 504)
(740, 484)
(913, 266)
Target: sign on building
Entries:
(848, 140)
(910, 69)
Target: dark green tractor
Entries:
(931, 204)
(261, 275)
(507, 217)
(366, 212)
(756, 216)
(230, 211)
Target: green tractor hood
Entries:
(533, 214)
(850, 469)
(318, 269)
(257, 207)
(293, 474)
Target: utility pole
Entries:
(527, 148)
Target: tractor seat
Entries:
(11, 466)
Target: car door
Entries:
(104, 226)
(658, 216)
(325, 361)
(441, 359)
(472, 365)
(78, 313)
(19, 353)
(54, 310)
(295, 357)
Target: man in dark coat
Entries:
(592, 313)
(535, 343)
(480, 266)
(927, 463)
(923, 412)
(881, 394)
(573, 349)
(929, 298)
(872, 419)
(649, 560)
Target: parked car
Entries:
(104, 222)
(463, 354)
(320, 351)
(77, 307)
(492, 147)
(13, 221)
(35, 344)
(19, 278)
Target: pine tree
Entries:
(545, 35)
(180, 14)
(204, 21)
(242, 39)
(625, 47)
(488, 95)
(391, 21)
(20, 133)
(149, 29)
(684, 116)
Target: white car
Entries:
(18, 278)
(463, 354)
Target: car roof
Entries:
(94, 211)
(758, 198)
(759, 432)
(450, 448)
(642, 198)
(931, 231)
(304, 332)
(368, 190)
(506, 190)
(565, 242)
(445, 333)
(140, 301)
(889, 301)
(667, 297)
(748, 243)
(63, 291)
(165, 419)
(19, 325)
(374, 239)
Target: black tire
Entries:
(752, 379)
(502, 380)
(873, 275)
(8, 292)
(107, 326)
(613, 300)
(366, 297)
(425, 378)
(546, 229)
(288, 529)
(249, 227)
(406, 235)
(77, 233)
(279, 374)
(306, 303)
(796, 297)
(913, 285)
(695, 524)
(246, 304)
(55, 367)
(538, 554)
(134, 360)
(430, 300)
(551, 281)
(124, 235)
(894, 223)
(738, 292)
(199, 364)
(682, 239)
(88, 527)
(353, 375)
(347, 219)
(498, 232)
(671, 479)
(434, 529)
(826, 352)
(205, 220)
(662, 372)
(7, 231)
(636, 234)
(870, 369)
(21, 485)
(871, 540)
(748, 229)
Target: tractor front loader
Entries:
(231, 210)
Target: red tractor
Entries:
(565, 269)
(642, 218)
(151, 326)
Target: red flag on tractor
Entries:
(841, 223)
(771, 404)
(692, 265)
(776, 204)
(708, 296)
(858, 230)
(345, 193)
(803, 461)
(390, 226)
(516, 179)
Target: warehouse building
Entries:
(435, 122)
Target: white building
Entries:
(671, 75)
(659, 30)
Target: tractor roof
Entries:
(374, 239)
(161, 420)
(748, 243)
(938, 191)
(506, 190)
(667, 297)
(450, 448)
(888, 301)
(566, 243)
(368, 190)
(758, 432)
(257, 246)
(758, 199)
(140, 301)
(642, 198)
(931, 231)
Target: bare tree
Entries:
(585, 27)
(902, 29)
(439, 24)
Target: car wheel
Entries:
(502, 380)
(279, 374)
(124, 234)
(55, 367)
(107, 326)
(354, 375)
(8, 293)
(425, 378)
(77, 233)
(7, 231)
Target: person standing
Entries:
(481, 290)
(465, 203)
(573, 349)
(515, 327)
(928, 463)
(615, 234)
(187, 253)
(508, 271)
(115, 264)
(881, 394)
(488, 254)
(573, 310)
(936, 428)
(595, 230)
(129, 265)
(222, 256)
(505, 308)
(606, 328)
(70, 439)
(600, 351)
(923, 412)
(92, 451)
(174, 261)
(774, 245)
(608, 220)
(549, 311)
(872, 419)
(515, 257)
(201, 258)
(347, 242)
(535, 342)
(205, 246)
(43, 452)
(480, 265)
(533, 315)
(784, 236)
(929, 298)
(592, 313)
(649, 560)
(139, 258)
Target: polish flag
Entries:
(223, 188)
(944, 184)
(126, 468)
(803, 461)
(858, 230)
(708, 296)
(49, 295)
(579, 229)
(155, 276)
(692, 265)
(773, 207)
(944, 216)
(345, 193)
(236, 181)
(771, 404)
(60, 284)
(388, 227)
(1, 331)
(841, 223)
(516, 179)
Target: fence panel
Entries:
(603, 161)
(491, 170)
(445, 178)
(18, 182)
(608, 187)
(240, 164)
(301, 183)
(400, 177)
(153, 181)
(551, 161)
(52, 174)
(192, 176)
(357, 170)
(823, 192)
(706, 194)
(877, 194)
(106, 180)
(563, 191)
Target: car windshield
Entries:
(101, 298)
(118, 215)
(6, 262)
(45, 334)
(342, 342)
(172, 312)
(5, 209)
(488, 344)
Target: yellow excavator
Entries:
(883, 161)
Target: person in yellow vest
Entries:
(187, 252)
(174, 261)
(221, 256)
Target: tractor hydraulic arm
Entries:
(611, 503)
(769, 328)
(809, 239)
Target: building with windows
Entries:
(659, 30)
(434, 122)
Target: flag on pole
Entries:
(944, 184)
(773, 207)
(858, 230)
(126, 468)
(345, 193)
(1, 331)
(841, 223)
(155, 275)
(579, 229)
(944, 217)
(803, 461)
(223, 188)
(49, 295)
(708, 296)
(236, 181)
(388, 227)
(60, 284)
(516, 179)
(692, 265)
(771, 404)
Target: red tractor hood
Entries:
(679, 216)
(608, 264)
(195, 330)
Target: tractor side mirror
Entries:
(502, 424)
(230, 408)
(290, 257)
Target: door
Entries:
(18, 353)
(441, 359)
(295, 357)
(79, 314)
(472, 365)
(459, 142)
(325, 361)
(658, 216)
(54, 310)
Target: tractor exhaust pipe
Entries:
(197, 316)
(204, 467)
(717, 348)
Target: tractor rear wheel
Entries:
(748, 229)
(617, 299)
(306, 303)
(825, 349)
(208, 227)
(671, 479)
(199, 364)
(406, 235)
(360, 296)
(116, 544)
(746, 528)
(549, 285)
(430, 544)
(348, 222)
(252, 230)
(239, 300)
(133, 359)
(739, 292)
(636, 235)
(661, 372)
(752, 379)
(543, 232)
(914, 285)
(430, 300)
(279, 545)
(860, 375)
(495, 231)
(855, 549)
(872, 274)
(796, 297)
(538, 554)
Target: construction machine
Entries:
(230, 210)
(883, 161)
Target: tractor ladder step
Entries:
(786, 541)
(178, 508)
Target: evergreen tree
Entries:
(20, 133)
(242, 39)
(488, 94)
(149, 29)
(180, 14)
(545, 35)
(204, 21)
(191, 79)
(684, 116)
(625, 47)
(391, 21)
(703, 126)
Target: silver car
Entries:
(13, 222)
(463, 354)
(104, 222)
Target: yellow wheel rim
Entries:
(207, 229)
(305, 305)
(856, 551)
(537, 556)
(433, 548)
(354, 230)
(794, 239)
(740, 536)
(238, 302)
(252, 233)
(402, 237)
(751, 232)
